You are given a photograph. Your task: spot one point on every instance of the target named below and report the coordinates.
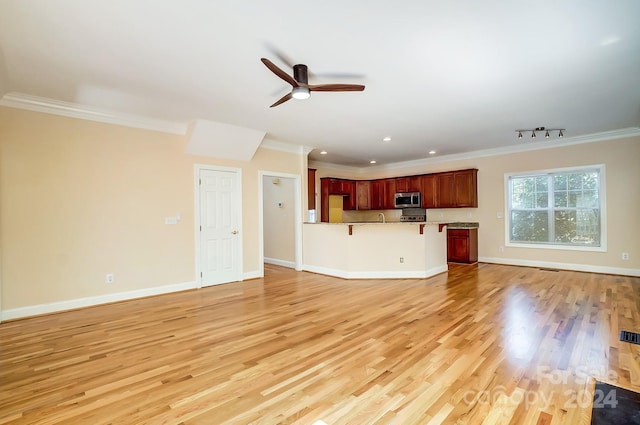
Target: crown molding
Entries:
(330, 166)
(85, 112)
(285, 147)
(541, 145)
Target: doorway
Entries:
(280, 219)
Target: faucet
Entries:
(381, 215)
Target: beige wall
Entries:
(80, 199)
(279, 221)
(622, 195)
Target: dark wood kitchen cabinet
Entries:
(462, 245)
(446, 190)
(377, 195)
(408, 184)
(332, 186)
(457, 189)
(389, 200)
(450, 189)
(363, 195)
(383, 194)
(466, 184)
(429, 190)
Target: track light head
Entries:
(519, 134)
(533, 134)
(546, 135)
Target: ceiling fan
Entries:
(300, 83)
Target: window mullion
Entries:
(551, 202)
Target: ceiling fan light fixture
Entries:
(300, 93)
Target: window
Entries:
(557, 208)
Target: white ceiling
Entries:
(453, 76)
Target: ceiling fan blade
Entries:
(280, 73)
(336, 87)
(282, 100)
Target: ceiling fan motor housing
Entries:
(300, 73)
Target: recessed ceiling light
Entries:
(386, 139)
(373, 161)
(432, 152)
(323, 152)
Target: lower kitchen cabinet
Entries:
(462, 245)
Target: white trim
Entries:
(196, 225)
(256, 274)
(328, 166)
(90, 113)
(277, 262)
(521, 147)
(297, 213)
(563, 266)
(285, 147)
(35, 310)
(409, 274)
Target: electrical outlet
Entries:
(402, 259)
(501, 248)
(110, 278)
(625, 256)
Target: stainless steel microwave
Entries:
(408, 200)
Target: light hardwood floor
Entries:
(480, 344)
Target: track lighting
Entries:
(546, 132)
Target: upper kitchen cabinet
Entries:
(466, 183)
(389, 201)
(383, 194)
(377, 195)
(429, 190)
(408, 184)
(457, 189)
(446, 190)
(363, 195)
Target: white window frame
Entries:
(603, 210)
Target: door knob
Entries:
(235, 232)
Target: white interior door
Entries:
(220, 253)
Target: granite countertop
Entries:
(463, 225)
(379, 222)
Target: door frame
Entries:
(196, 225)
(297, 231)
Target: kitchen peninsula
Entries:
(375, 250)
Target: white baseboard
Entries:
(256, 274)
(411, 274)
(563, 266)
(35, 310)
(277, 262)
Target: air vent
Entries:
(631, 337)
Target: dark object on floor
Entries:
(615, 405)
(631, 337)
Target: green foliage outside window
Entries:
(556, 208)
